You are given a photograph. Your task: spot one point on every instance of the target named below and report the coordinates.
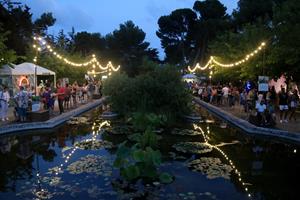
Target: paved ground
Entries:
(238, 111)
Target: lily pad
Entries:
(92, 164)
(42, 194)
(78, 120)
(187, 132)
(94, 144)
(193, 147)
(212, 167)
(54, 170)
(52, 181)
(118, 130)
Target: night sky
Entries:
(104, 16)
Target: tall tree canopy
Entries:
(88, 43)
(175, 34)
(17, 20)
(127, 46)
(212, 20)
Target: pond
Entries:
(209, 160)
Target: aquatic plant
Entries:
(193, 147)
(78, 120)
(185, 132)
(93, 144)
(93, 164)
(212, 167)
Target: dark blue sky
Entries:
(104, 16)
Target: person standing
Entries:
(61, 97)
(225, 91)
(294, 101)
(49, 100)
(67, 96)
(4, 99)
(219, 95)
(74, 92)
(283, 105)
(22, 99)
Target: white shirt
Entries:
(225, 91)
(261, 108)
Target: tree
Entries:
(285, 55)
(174, 33)
(62, 41)
(89, 43)
(127, 46)
(212, 21)
(6, 55)
(231, 46)
(252, 11)
(41, 24)
(17, 20)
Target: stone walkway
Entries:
(56, 119)
(248, 127)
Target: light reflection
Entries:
(196, 127)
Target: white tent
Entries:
(29, 69)
(7, 69)
(190, 78)
(13, 75)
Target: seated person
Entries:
(261, 108)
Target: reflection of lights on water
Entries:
(223, 154)
(94, 133)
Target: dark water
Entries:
(262, 168)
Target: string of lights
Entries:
(236, 171)
(42, 44)
(213, 61)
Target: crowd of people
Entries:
(68, 96)
(262, 107)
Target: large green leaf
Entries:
(130, 172)
(139, 155)
(123, 151)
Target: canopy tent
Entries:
(27, 74)
(29, 69)
(190, 78)
(7, 69)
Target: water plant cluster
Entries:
(142, 159)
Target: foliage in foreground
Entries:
(142, 160)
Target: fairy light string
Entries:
(214, 62)
(236, 171)
(42, 44)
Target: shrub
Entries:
(160, 91)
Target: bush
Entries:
(160, 91)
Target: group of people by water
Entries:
(68, 96)
(262, 107)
